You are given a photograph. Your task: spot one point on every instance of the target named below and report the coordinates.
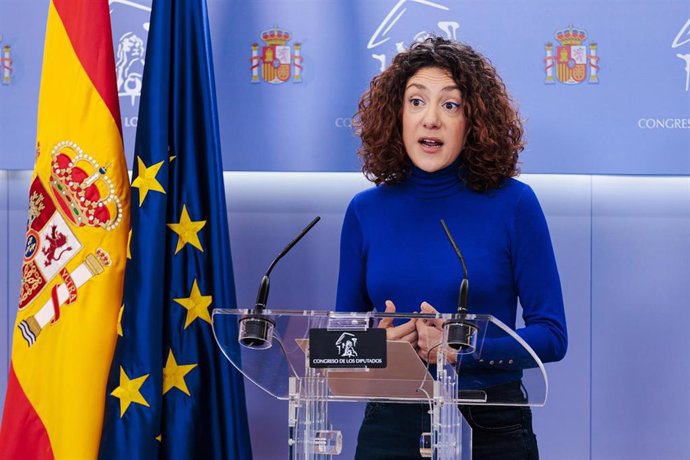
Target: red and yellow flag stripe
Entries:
(76, 245)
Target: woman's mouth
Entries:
(430, 144)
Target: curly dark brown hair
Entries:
(494, 129)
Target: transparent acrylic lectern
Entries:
(490, 354)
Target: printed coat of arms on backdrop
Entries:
(278, 61)
(573, 59)
(5, 63)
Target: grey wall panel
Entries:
(562, 426)
(640, 318)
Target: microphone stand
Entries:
(256, 328)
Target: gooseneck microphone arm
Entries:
(465, 284)
(256, 327)
(262, 294)
(461, 334)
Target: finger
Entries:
(426, 328)
(411, 337)
(390, 306)
(427, 308)
(394, 334)
(407, 327)
(397, 332)
(388, 322)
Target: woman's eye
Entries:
(451, 105)
(415, 102)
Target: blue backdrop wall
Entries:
(608, 155)
(603, 85)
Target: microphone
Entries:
(462, 334)
(262, 295)
(464, 284)
(256, 329)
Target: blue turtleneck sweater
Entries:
(394, 248)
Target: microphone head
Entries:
(262, 295)
(463, 296)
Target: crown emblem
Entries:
(571, 61)
(83, 189)
(276, 62)
(571, 36)
(275, 37)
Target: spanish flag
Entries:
(76, 240)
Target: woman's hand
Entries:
(429, 335)
(406, 331)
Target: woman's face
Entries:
(433, 119)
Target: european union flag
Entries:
(170, 392)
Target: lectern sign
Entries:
(347, 349)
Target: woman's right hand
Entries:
(406, 331)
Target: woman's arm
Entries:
(352, 293)
(537, 282)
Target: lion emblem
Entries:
(129, 63)
(56, 240)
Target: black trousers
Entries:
(392, 431)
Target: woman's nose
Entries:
(431, 119)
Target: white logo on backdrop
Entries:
(129, 63)
(381, 42)
(382, 33)
(683, 38)
(130, 56)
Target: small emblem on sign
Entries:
(346, 345)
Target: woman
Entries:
(440, 139)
